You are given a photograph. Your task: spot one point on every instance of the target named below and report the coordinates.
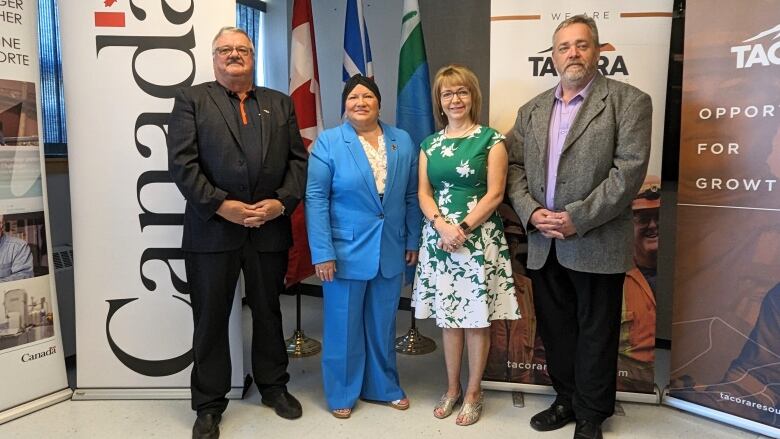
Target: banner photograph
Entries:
(726, 337)
(20, 163)
(632, 40)
(18, 114)
(27, 312)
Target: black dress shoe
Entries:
(553, 418)
(206, 426)
(587, 430)
(284, 404)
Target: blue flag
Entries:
(357, 49)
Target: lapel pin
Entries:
(393, 147)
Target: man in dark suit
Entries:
(237, 156)
(578, 155)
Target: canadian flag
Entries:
(305, 94)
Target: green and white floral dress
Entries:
(473, 285)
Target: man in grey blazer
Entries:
(578, 155)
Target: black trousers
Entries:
(578, 317)
(212, 281)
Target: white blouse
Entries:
(377, 158)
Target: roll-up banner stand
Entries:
(726, 315)
(122, 64)
(634, 49)
(31, 355)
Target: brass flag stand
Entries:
(299, 345)
(414, 343)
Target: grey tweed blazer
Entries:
(602, 166)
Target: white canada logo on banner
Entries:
(750, 55)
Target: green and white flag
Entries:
(413, 112)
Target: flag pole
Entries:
(414, 343)
(305, 94)
(299, 345)
(414, 115)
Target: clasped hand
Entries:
(555, 225)
(250, 215)
(451, 237)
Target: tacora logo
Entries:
(750, 55)
(543, 65)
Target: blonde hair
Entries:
(455, 74)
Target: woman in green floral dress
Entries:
(464, 275)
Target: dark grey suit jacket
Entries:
(602, 166)
(207, 162)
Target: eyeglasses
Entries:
(462, 94)
(227, 50)
(644, 218)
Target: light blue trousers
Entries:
(358, 356)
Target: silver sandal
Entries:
(470, 411)
(447, 404)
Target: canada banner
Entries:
(726, 316)
(634, 49)
(123, 62)
(32, 360)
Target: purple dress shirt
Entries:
(561, 118)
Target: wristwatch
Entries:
(465, 227)
(283, 207)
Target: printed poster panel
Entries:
(726, 317)
(122, 64)
(634, 41)
(31, 355)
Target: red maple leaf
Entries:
(109, 3)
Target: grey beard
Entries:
(578, 75)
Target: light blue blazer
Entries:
(346, 220)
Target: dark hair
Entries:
(581, 19)
(365, 81)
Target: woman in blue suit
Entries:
(364, 226)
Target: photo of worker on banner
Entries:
(516, 349)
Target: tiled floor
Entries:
(423, 378)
